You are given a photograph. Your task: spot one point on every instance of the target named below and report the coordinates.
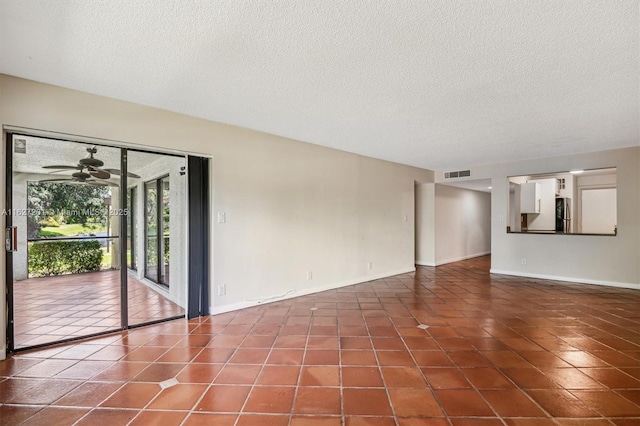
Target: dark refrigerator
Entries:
(563, 215)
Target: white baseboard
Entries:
(458, 259)
(567, 279)
(303, 292)
(423, 263)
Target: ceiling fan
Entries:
(91, 178)
(94, 175)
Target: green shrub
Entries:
(62, 257)
(50, 221)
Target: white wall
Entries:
(462, 224)
(291, 207)
(425, 224)
(612, 260)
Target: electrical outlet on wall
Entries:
(309, 275)
(523, 260)
(222, 290)
(369, 265)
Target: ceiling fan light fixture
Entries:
(81, 175)
(91, 162)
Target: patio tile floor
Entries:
(50, 309)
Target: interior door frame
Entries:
(9, 134)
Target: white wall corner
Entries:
(425, 263)
(458, 259)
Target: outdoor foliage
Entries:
(50, 221)
(64, 257)
(64, 203)
(152, 249)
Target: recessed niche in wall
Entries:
(572, 202)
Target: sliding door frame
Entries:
(8, 223)
(124, 267)
(202, 293)
(199, 231)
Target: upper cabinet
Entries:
(530, 197)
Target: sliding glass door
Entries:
(93, 228)
(161, 248)
(65, 270)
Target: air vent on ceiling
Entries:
(458, 174)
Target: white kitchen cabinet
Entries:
(530, 197)
(544, 218)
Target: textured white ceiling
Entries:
(435, 84)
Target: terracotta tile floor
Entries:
(51, 309)
(446, 346)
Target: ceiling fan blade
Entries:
(62, 167)
(118, 173)
(59, 171)
(102, 183)
(100, 174)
